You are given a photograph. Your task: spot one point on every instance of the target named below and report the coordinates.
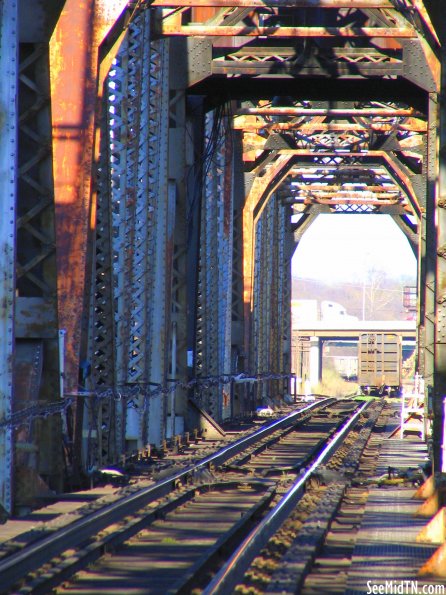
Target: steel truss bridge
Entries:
(160, 161)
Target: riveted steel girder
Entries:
(255, 201)
(130, 315)
(440, 290)
(287, 32)
(74, 88)
(214, 327)
(271, 300)
(8, 150)
(276, 3)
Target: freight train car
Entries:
(380, 363)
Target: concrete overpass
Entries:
(307, 361)
(344, 329)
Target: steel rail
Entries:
(233, 570)
(15, 566)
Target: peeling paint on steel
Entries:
(82, 26)
(8, 172)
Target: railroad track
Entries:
(310, 552)
(171, 536)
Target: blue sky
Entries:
(341, 247)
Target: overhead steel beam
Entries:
(167, 29)
(242, 123)
(9, 60)
(335, 62)
(346, 201)
(390, 161)
(336, 4)
(330, 112)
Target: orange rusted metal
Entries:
(201, 13)
(255, 202)
(436, 565)
(414, 125)
(276, 3)
(429, 507)
(421, 9)
(425, 490)
(82, 26)
(435, 530)
(390, 164)
(302, 111)
(322, 32)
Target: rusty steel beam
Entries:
(336, 4)
(330, 127)
(262, 187)
(401, 175)
(344, 195)
(342, 189)
(9, 69)
(350, 201)
(424, 15)
(276, 31)
(331, 112)
(80, 30)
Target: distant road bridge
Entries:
(344, 329)
(307, 360)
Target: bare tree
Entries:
(379, 296)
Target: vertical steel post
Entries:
(239, 356)
(164, 215)
(177, 186)
(215, 276)
(427, 254)
(8, 190)
(440, 293)
(74, 45)
(257, 351)
(134, 248)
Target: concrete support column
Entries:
(315, 361)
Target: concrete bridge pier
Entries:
(315, 362)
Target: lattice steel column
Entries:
(8, 172)
(177, 187)
(265, 296)
(215, 274)
(133, 248)
(258, 352)
(272, 288)
(287, 291)
(37, 376)
(164, 202)
(427, 262)
(239, 356)
(275, 310)
(105, 418)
